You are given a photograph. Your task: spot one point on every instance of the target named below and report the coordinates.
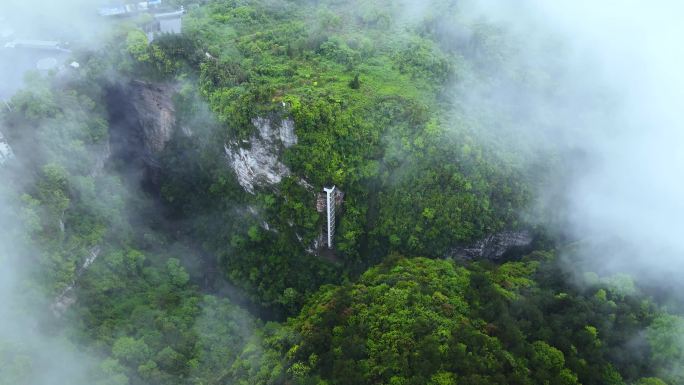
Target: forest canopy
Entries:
(152, 259)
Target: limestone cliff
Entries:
(5, 150)
(493, 246)
(153, 104)
(142, 120)
(256, 162)
(67, 297)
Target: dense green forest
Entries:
(195, 280)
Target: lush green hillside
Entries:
(366, 92)
(418, 321)
(196, 281)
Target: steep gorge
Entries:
(142, 120)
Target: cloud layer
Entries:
(613, 113)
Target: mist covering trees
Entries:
(369, 93)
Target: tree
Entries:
(355, 83)
(137, 45)
(130, 350)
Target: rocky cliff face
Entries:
(102, 155)
(256, 161)
(67, 298)
(142, 120)
(493, 247)
(5, 150)
(155, 112)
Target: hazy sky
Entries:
(634, 191)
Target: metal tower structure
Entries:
(331, 195)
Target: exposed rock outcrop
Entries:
(102, 155)
(156, 113)
(142, 120)
(493, 247)
(68, 297)
(259, 164)
(286, 132)
(5, 150)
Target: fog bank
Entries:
(598, 84)
(33, 347)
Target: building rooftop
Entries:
(36, 44)
(125, 9)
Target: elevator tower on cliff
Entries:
(330, 202)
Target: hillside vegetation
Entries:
(374, 95)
